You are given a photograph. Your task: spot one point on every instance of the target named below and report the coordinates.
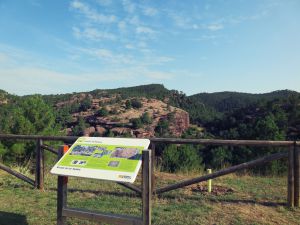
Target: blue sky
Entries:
(193, 46)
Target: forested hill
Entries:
(230, 101)
(153, 110)
(219, 101)
(203, 107)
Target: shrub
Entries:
(136, 104)
(182, 158)
(146, 119)
(136, 123)
(102, 112)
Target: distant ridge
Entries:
(228, 101)
(217, 102)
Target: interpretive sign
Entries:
(117, 159)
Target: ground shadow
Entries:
(7, 218)
(114, 193)
(224, 201)
(249, 201)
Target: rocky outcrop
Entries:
(180, 124)
(119, 117)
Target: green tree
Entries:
(136, 103)
(27, 115)
(162, 128)
(85, 104)
(146, 119)
(267, 129)
(78, 130)
(136, 123)
(182, 158)
(128, 104)
(102, 112)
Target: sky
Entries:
(55, 46)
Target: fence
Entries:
(292, 153)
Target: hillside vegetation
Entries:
(152, 110)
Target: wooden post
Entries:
(297, 175)
(152, 165)
(62, 188)
(209, 181)
(39, 165)
(147, 192)
(290, 188)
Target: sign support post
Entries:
(62, 187)
(63, 211)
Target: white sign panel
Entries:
(117, 159)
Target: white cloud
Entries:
(180, 20)
(144, 30)
(208, 37)
(107, 56)
(149, 11)
(92, 34)
(104, 2)
(31, 80)
(122, 26)
(91, 13)
(158, 75)
(129, 6)
(135, 20)
(195, 26)
(215, 27)
(36, 75)
(129, 46)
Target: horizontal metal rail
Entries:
(67, 139)
(224, 142)
(70, 139)
(102, 217)
(17, 174)
(222, 172)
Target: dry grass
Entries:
(254, 200)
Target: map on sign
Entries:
(117, 159)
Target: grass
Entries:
(252, 200)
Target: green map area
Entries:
(101, 156)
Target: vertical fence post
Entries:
(62, 183)
(146, 191)
(290, 188)
(209, 181)
(297, 175)
(152, 165)
(39, 165)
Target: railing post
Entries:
(147, 192)
(62, 188)
(290, 188)
(297, 174)
(152, 165)
(39, 165)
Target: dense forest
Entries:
(223, 115)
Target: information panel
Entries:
(117, 159)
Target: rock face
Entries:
(180, 124)
(118, 120)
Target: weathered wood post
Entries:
(62, 188)
(147, 191)
(39, 165)
(152, 165)
(297, 174)
(290, 188)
